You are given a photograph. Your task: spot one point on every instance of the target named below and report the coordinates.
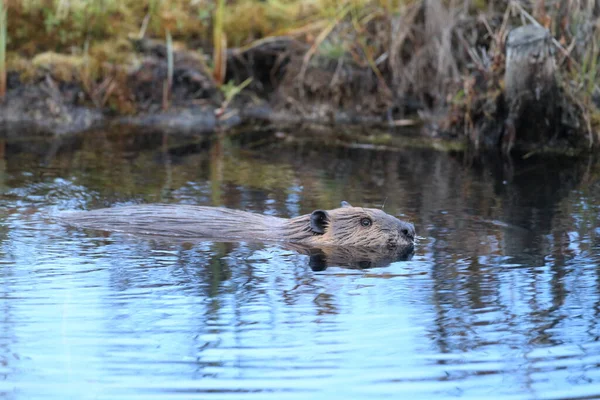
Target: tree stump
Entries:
(531, 88)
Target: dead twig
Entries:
(322, 36)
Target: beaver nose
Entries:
(407, 230)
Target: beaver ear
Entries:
(346, 204)
(318, 221)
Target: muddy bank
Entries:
(55, 96)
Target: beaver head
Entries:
(360, 227)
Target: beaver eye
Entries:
(366, 222)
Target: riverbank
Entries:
(196, 67)
(52, 93)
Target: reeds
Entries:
(219, 44)
(168, 84)
(3, 40)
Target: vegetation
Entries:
(2, 49)
(405, 55)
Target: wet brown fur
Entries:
(340, 226)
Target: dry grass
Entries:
(3, 40)
(573, 26)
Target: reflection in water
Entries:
(500, 296)
(353, 257)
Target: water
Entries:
(501, 298)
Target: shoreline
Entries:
(447, 89)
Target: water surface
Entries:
(501, 297)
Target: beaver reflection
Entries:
(354, 257)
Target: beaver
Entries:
(344, 226)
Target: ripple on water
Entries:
(485, 308)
